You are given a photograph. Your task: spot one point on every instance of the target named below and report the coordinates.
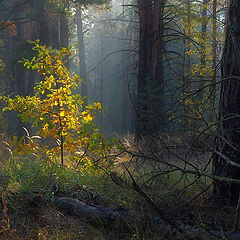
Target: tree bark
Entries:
(228, 140)
(149, 116)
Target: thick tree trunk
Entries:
(156, 67)
(228, 140)
(149, 116)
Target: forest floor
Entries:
(25, 216)
(48, 223)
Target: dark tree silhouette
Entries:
(227, 154)
(149, 116)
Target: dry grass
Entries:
(45, 224)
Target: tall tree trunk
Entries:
(102, 81)
(64, 31)
(214, 48)
(142, 69)
(81, 53)
(214, 34)
(203, 46)
(228, 140)
(126, 122)
(157, 67)
(187, 62)
(124, 83)
(149, 116)
(43, 23)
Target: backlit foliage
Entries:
(57, 112)
(198, 70)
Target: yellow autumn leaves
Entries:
(54, 108)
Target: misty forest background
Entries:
(119, 119)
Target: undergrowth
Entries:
(22, 179)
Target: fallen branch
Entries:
(105, 216)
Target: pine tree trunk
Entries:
(214, 49)
(228, 140)
(150, 104)
(142, 69)
(214, 35)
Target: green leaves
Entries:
(55, 110)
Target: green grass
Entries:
(23, 178)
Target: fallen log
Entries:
(105, 216)
(94, 213)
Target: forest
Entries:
(119, 119)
